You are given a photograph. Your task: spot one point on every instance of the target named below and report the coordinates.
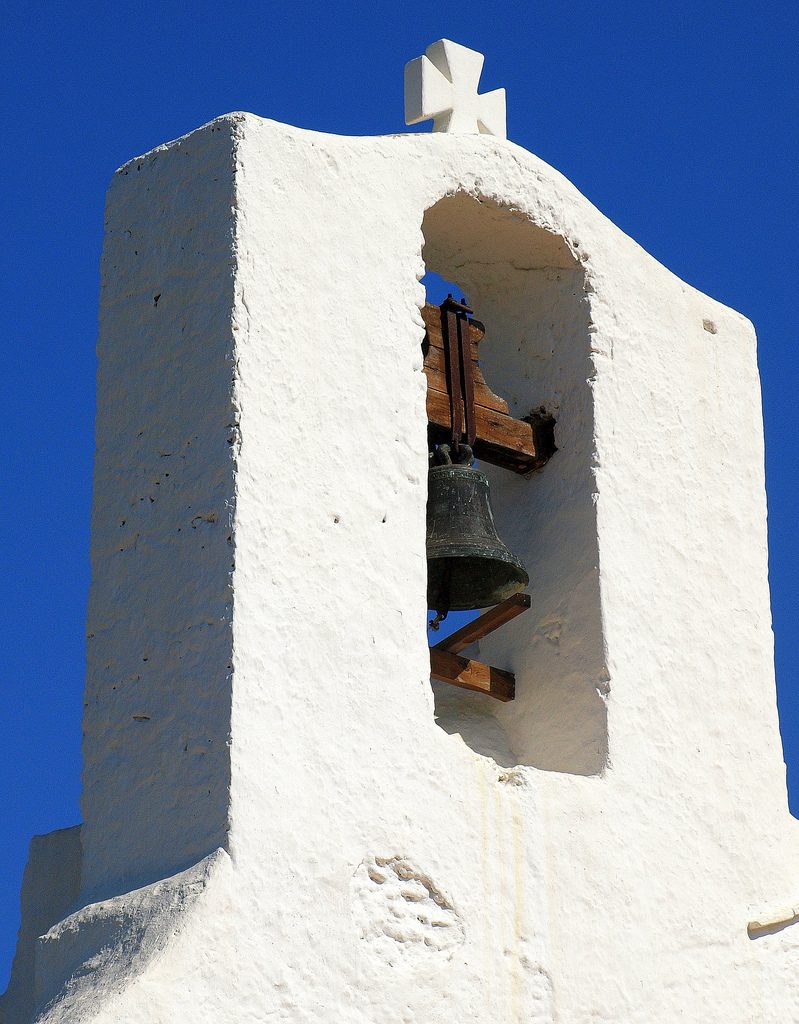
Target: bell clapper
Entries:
(435, 624)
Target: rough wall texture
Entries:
(49, 888)
(590, 853)
(157, 704)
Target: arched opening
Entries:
(527, 287)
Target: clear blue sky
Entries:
(678, 120)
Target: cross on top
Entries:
(443, 85)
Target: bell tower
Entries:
(283, 820)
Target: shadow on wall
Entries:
(528, 289)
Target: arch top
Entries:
(473, 229)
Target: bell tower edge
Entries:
(156, 774)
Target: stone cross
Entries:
(443, 85)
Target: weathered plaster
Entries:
(157, 703)
(50, 886)
(269, 794)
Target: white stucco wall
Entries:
(50, 886)
(281, 824)
(157, 703)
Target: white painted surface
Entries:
(592, 852)
(442, 84)
(50, 886)
(157, 703)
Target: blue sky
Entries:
(678, 120)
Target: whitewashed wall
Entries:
(312, 839)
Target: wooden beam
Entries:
(497, 454)
(484, 624)
(502, 440)
(437, 381)
(472, 675)
(432, 319)
(493, 425)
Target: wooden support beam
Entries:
(484, 624)
(502, 440)
(448, 666)
(437, 381)
(472, 675)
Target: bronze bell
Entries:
(468, 566)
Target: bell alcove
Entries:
(527, 287)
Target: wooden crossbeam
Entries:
(471, 675)
(484, 624)
(448, 666)
(502, 440)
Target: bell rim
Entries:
(512, 587)
(496, 573)
(502, 555)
